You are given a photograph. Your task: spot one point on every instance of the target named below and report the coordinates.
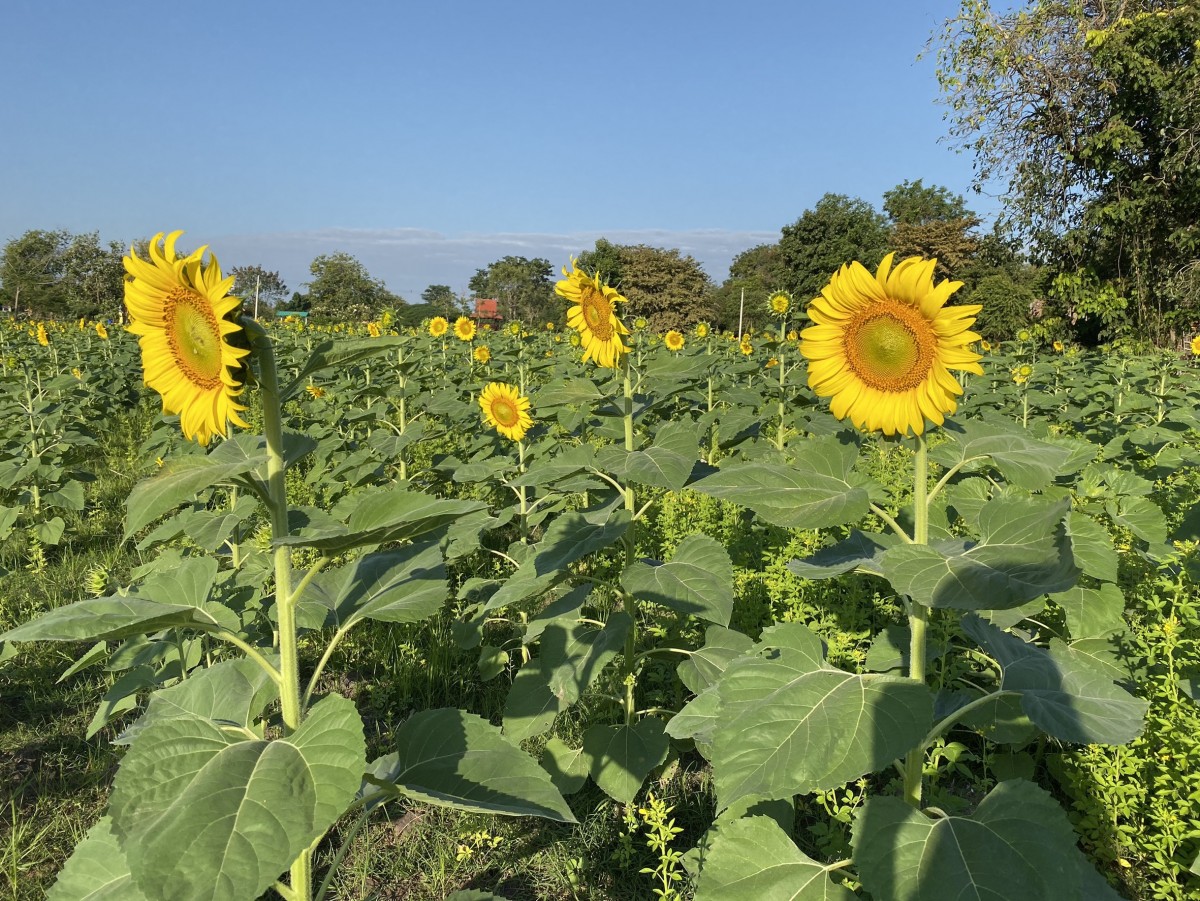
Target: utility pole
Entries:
(741, 310)
(257, 281)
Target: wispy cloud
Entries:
(410, 259)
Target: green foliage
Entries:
(668, 289)
(523, 289)
(262, 290)
(61, 274)
(838, 229)
(342, 289)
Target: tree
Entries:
(1087, 112)
(342, 289)
(522, 288)
(441, 301)
(666, 287)
(912, 203)
(31, 269)
(605, 259)
(93, 277)
(754, 274)
(256, 283)
(837, 230)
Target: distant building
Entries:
(487, 310)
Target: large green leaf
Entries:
(862, 551)
(1023, 552)
(703, 667)
(572, 536)
(456, 759)
(753, 859)
(108, 619)
(341, 354)
(377, 517)
(401, 586)
(1141, 516)
(666, 463)
(570, 658)
(1022, 459)
(182, 478)
(698, 581)
(788, 724)
(96, 870)
(1017, 845)
(622, 756)
(1092, 547)
(203, 813)
(788, 496)
(1064, 693)
(232, 691)
(1093, 612)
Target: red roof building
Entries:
(486, 310)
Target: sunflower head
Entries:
(374, 330)
(101, 331)
(1058, 347)
(549, 326)
(181, 310)
(745, 346)
(1196, 346)
(882, 347)
(42, 338)
(505, 410)
(673, 340)
(316, 392)
(464, 329)
(594, 316)
(438, 326)
(482, 353)
(702, 330)
(1023, 335)
(779, 303)
(514, 328)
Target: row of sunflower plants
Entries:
(362, 476)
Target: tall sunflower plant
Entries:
(238, 771)
(579, 591)
(983, 540)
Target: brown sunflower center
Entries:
(505, 412)
(597, 311)
(890, 346)
(194, 337)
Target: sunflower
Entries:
(985, 345)
(673, 340)
(1196, 346)
(178, 308)
(101, 331)
(316, 392)
(42, 338)
(594, 316)
(374, 330)
(438, 326)
(549, 326)
(779, 303)
(505, 410)
(1058, 347)
(882, 348)
(1023, 335)
(745, 346)
(464, 329)
(702, 330)
(482, 353)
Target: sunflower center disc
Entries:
(505, 412)
(890, 346)
(194, 337)
(596, 312)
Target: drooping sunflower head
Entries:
(101, 331)
(180, 309)
(594, 315)
(464, 329)
(505, 410)
(673, 340)
(438, 326)
(42, 338)
(779, 303)
(483, 353)
(882, 346)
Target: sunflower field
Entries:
(857, 607)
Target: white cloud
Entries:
(410, 259)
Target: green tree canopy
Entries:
(343, 289)
(441, 301)
(56, 273)
(523, 289)
(755, 274)
(837, 230)
(255, 282)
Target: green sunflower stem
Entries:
(918, 616)
(629, 602)
(782, 383)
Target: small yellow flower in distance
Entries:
(780, 302)
(438, 326)
(549, 326)
(1058, 347)
(373, 329)
(514, 328)
(315, 391)
(82, 323)
(42, 338)
(770, 363)
(101, 331)
(673, 340)
(985, 344)
(702, 330)
(464, 329)
(1196, 346)
(793, 335)
(386, 320)
(745, 346)
(1023, 335)
(640, 323)
(75, 371)
(482, 353)
(575, 339)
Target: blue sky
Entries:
(429, 139)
